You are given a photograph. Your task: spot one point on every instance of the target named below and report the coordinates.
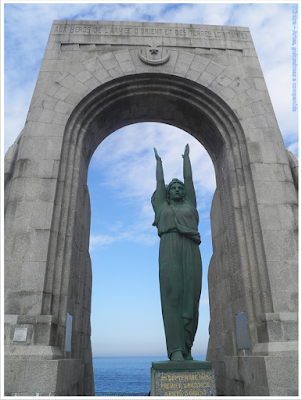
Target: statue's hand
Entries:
(156, 155)
(187, 150)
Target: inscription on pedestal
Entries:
(182, 382)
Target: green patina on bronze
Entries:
(176, 366)
(180, 265)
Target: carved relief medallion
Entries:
(154, 56)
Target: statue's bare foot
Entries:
(177, 356)
(188, 357)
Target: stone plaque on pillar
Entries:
(68, 332)
(20, 335)
(242, 331)
(191, 378)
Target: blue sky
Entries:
(126, 314)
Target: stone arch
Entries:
(198, 111)
(192, 108)
(79, 100)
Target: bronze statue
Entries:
(180, 266)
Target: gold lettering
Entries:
(185, 384)
(171, 385)
(196, 393)
(191, 385)
(174, 377)
(174, 393)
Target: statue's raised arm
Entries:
(160, 196)
(188, 181)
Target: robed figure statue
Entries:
(180, 266)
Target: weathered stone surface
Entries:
(213, 87)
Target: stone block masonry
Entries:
(96, 77)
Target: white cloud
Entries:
(100, 240)
(128, 154)
(17, 105)
(195, 13)
(126, 165)
(270, 25)
(140, 231)
(204, 301)
(271, 30)
(128, 160)
(294, 148)
(204, 298)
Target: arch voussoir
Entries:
(92, 83)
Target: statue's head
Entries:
(175, 190)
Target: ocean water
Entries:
(124, 376)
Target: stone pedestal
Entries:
(35, 366)
(189, 378)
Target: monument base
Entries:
(189, 378)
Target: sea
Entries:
(124, 376)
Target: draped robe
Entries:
(180, 273)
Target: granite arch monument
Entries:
(95, 78)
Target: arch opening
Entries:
(201, 113)
(129, 181)
(154, 98)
